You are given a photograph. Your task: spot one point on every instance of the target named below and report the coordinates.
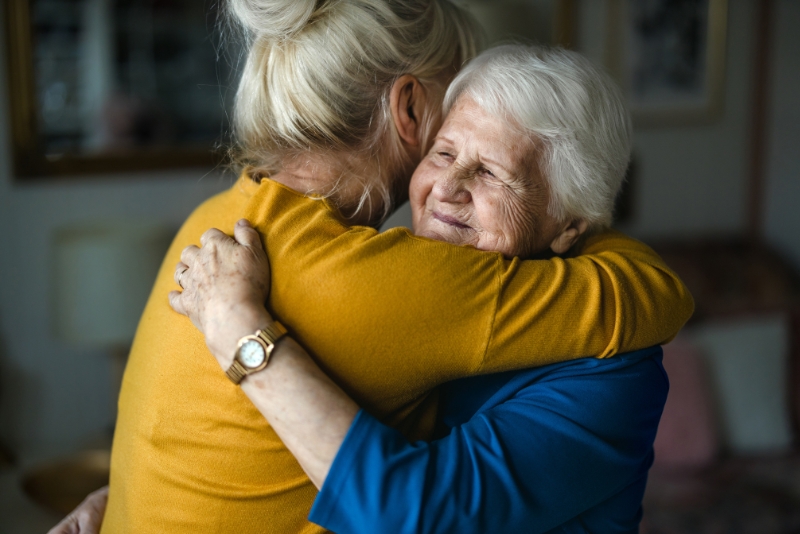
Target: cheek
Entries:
(415, 188)
(511, 222)
(422, 181)
(417, 195)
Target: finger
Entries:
(176, 302)
(67, 526)
(189, 254)
(210, 235)
(246, 235)
(89, 524)
(180, 268)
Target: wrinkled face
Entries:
(481, 185)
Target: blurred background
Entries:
(112, 127)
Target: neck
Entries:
(309, 175)
(341, 180)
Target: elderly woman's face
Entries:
(480, 185)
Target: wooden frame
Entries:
(29, 159)
(665, 104)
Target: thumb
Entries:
(246, 234)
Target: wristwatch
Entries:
(253, 352)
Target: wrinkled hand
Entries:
(225, 284)
(87, 517)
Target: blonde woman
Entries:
(339, 99)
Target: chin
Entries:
(436, 236)
(427, 232)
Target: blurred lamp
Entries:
(103, 275)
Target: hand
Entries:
(225, 284)
(87, 517)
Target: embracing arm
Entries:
(309, 412)
(223, 295)
(543, 454)
(393, 294)
(593, 421)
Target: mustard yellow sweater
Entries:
(389, 316)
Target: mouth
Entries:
(452, 221)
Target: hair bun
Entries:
(274, 19)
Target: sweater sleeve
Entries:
(557, 448)
(393, 296)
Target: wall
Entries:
(54, 398)
(782, 216)
(691, 179)
(694, 179)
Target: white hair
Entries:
(575, 111)
(318, 75)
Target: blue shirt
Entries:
(561, 448)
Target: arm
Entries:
(392, 294)
(312, 415)
(552, 447)
(539, 454)
(308, 411)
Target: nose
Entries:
(453, 186)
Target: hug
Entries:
(495, 369)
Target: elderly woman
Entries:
(567, 445)
(338, 99)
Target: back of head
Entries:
(574, 110)
(318, 75)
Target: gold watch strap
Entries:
(271, 334)
(236, 372)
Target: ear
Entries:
(407, 102)
(569, 235)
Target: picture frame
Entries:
(35, 155)
(670, 62)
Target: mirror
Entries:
(103, 86)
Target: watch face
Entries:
(251, 354)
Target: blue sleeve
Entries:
(546, 454)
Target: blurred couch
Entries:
(727, 455)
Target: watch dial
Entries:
(251, 354)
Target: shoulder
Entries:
(641, 366)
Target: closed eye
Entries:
(490, 178)
(447, 156)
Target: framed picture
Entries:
(669, 57)
(108, 86)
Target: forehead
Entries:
(492, 136)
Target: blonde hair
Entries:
(318, 75)
(573, 108)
